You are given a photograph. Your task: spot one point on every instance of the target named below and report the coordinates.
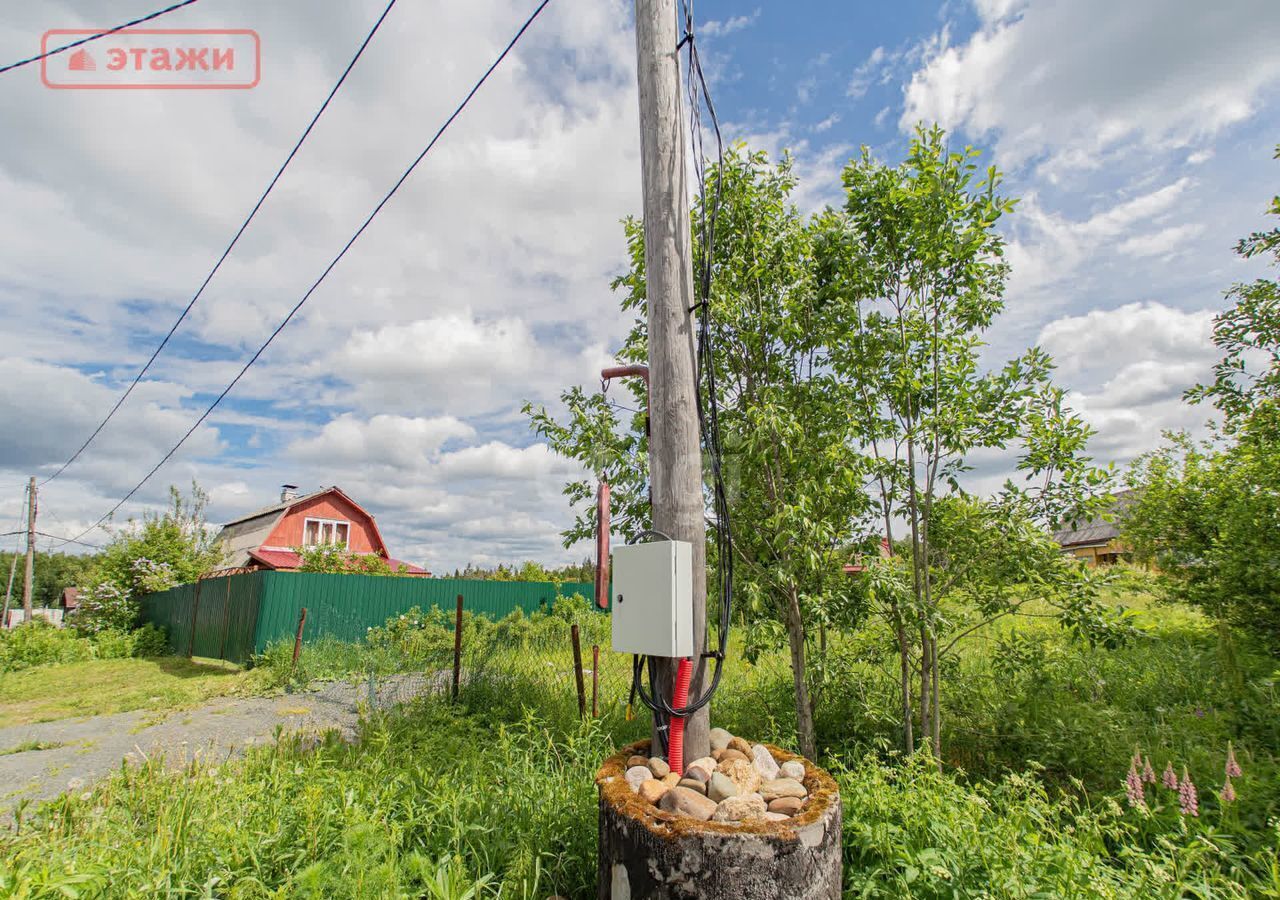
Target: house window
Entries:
(325, 531)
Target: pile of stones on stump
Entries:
(738, 782)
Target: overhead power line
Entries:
(93, 37)
(227, 252)
(329, 268)
(56, 537)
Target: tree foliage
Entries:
(160, 551)
(1207, 513)
(853, 397)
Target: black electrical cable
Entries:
(231, 246)
(93, 37)
(329, 268)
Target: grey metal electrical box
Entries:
(653, 598)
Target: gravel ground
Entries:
(92, 748)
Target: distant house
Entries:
(70, 598)
(269, 538)
(1097, 542)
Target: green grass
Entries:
(29, 746)
(101, 686)
(493, 797)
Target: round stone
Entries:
(739, 809)
(742, 773)
(658, 766)
(636, 776)
(720, 738)
(652, 790)
(733, 754)
(775, 817)
(685, 802)
(783, 787)
(766, 765)
(701, 773)
(693, 784)
(792, 768)
(721, 787)
(634, 761)
(703, 762)
(787, 806)
(671, 779)
(741, 746)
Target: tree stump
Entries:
(649, 854)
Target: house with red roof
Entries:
(270, 538)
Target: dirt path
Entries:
(80, 751)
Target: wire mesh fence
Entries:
(559, 660)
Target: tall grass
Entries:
(493, 796)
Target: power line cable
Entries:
(234, 240)
(93, 37)
(56, 537)
(329, 268)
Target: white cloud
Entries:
(1162, 242)
(866, 73)
(397, 441)
(1129, 368)
(1072, 81)
(721, 27)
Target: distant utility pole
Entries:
(675, 462)
(27, 578)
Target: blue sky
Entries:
(1138, 137)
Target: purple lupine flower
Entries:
(1188, 799)
(1133, 787)
(1148, 773)
(1228, 792)
(1233, 767)
(1170, 778)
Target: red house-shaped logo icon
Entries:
(82, 61)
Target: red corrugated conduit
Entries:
(675, 742)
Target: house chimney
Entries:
(288, 492)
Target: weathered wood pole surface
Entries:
(649, 854)
(28, 571)
(675, 461)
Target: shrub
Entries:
(104, 607)
(38, 643)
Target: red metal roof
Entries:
(289, 559)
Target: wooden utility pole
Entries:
(29, 573)
(675, 462)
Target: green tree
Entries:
(52, 573)
(1207, 513)
(336, 560)
(793, 476)
(160, 551)
(913, 275)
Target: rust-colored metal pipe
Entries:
(638, 370)
(602, 545)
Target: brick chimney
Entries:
(288, 492)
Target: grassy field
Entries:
(493, 796)
(100, 686)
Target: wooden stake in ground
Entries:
(28, 576)
(675, 462)
(457, 649)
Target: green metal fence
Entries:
(235, 616)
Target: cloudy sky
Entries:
(1138, 136)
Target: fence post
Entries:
(195, 615)
(457, 648)
(577, 671)
(595, 681)
(297, 641)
